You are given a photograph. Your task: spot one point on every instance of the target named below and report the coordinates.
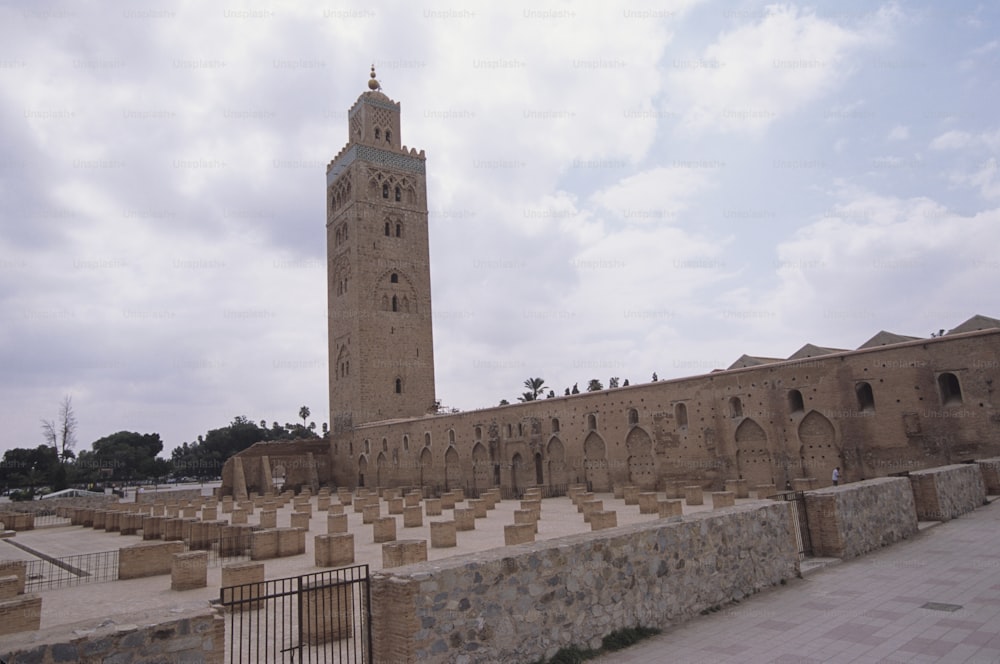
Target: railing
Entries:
(47, 573)
(322, 617)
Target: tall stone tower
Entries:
(378, 271)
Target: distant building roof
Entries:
(752, 361)
(812, 350)
(71, 493)
(884, 338)
(976, 323)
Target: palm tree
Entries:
(304, 414)
(535, 387)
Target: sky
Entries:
(615, 189)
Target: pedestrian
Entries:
(836, 476)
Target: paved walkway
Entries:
(935, 598)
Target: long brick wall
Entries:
(947, 492)
(520, 603)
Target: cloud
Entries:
(759, 72)
(898, 133)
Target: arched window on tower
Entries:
(795, 403)
(385, 190)
(866, 400)
(378, 133)
(735, 408)
(399, 230)
(555, 425)
(394, 278)
(951, 390)
(592, 421)
(427, 439)
(681, 415)
(395, 303)
(387, 229)
(451, 436)
(388, 138)
(633, 416)
(399, 386)
(479, 433)
(406, 443)
(399, 195)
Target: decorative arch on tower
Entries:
(753, 454)
(819, 451)
(641, 464)
(395, 292)
(595, 463)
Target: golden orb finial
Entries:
(373, 83)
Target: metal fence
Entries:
(321, 617)
(47, 573)
(800, 520)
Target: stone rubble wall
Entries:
(948, 491)
(852, 519)
(193, 636)
(525, 602)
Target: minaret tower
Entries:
(379, 284)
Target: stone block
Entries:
(268, 519)
(291, 542)
(413, 516)
(204, 534)
(403, 552)
(459, 494)
(631, 494)
(765, 490)
(264, 544)
(535, 505)
(209, 513)
(327, 611)
(448, 500)
(465, 518)
(670, 507)
(98, 519)
(647, 503)
(740, 488)
(152, 527)
(334, 550)
(518, 533)
(804, 483)
(591, 506)
(722, 499)
(433, 506)
(618, 491)
(234, 540)
(10, 586)
(17, 568)
(443, 534)
(335, 508)
(147, 559)
(189, 570)
(603, 519)
(947, 492)
(322, 503)
(413, 498)
(384, 529)
(130, 523)
(478, 506)
(242, 584)
(693, 495)
(526, 517)
(238, 517)
(189, 512)
(159, 509)
(336, 523)
(371, 512)
(300, 520)
(395, 505)
(20, 614)
(990, 468)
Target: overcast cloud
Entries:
(614, 190)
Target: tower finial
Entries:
(373, 83)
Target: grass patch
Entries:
(616, 640)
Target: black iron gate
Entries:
(800, 520)
(321, 617)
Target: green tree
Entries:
(613, 382)
(304, 413)
(575, 390)
(504, 402)
(124, 456)
(594, 385)
(654, 377)
(625, 384)
(551, 394)
(536, 386)
(29, 467)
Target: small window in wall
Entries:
(479, 433)
(385, 190)
(427, 439)
(510, 431)
(633, 416)
(350, 447)
(395, 303)
(399, 230)
(795, 404)
(681, 415)
(866, 400)
(394, 278)
(399, 195)
(520, 429)
(385, 445)
(388, 138)
(378, 133)
(399, 385)
(951, 390)
(555, 425)
(591, 421)
(451, 436)
(406, 443)
(735, 408)
(368, 446)
(387, 229)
